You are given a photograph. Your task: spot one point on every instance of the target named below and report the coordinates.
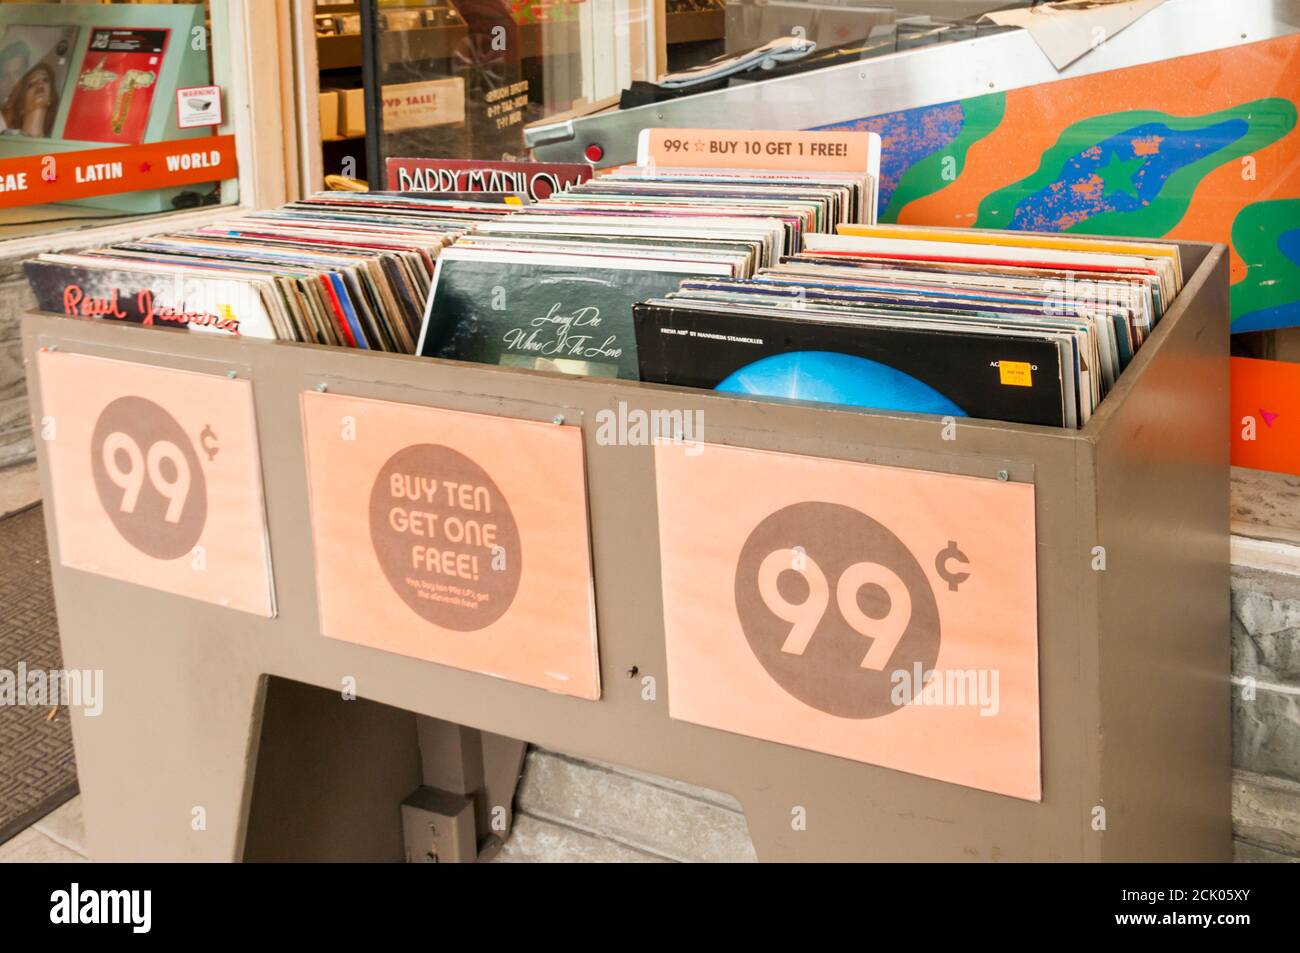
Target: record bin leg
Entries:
(463, 768)
(165, 770)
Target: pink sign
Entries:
(876, 613)
(453, 537)
(155, 478)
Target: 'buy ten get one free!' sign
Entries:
(434, 542)
(155, 478)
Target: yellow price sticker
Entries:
(1016, 373)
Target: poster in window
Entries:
(34, 61)
(113, 94)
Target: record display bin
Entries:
(224, 735)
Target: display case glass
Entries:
(109, 110)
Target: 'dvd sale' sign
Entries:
(155, 478)
(882, 614)
(453, 537)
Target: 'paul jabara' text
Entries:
(77, 302)
(575, 334)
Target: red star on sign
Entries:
(145, 167)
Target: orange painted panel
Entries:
(1266, 415)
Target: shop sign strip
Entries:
(69, 176)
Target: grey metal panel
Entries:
(920, 77)
(1164, 507)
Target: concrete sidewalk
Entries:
(59, 837)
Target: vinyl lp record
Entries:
(838, 379)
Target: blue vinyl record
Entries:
(838, 379)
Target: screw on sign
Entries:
(832, 603)
(149, 478)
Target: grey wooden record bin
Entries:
(241, 716)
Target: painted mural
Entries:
(1202, 148)
(1267, 237)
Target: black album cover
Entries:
(913, 369)
(544, 312)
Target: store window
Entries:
(704, 31)
(462, 78)
(111, 112)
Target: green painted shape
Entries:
(1272, 279)
(1268, 120)
(1117, 175)
(981, 115)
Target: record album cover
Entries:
(113, 94)
(34, 60)
(544, 312)
(913, 369)
(178, 300)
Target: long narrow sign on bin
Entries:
(768, 150)
(882, 614)
(788, 150)
(155, 478)
(453, 537)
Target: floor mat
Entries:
(37, 768)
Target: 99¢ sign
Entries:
(832, 603)
(156, 478)
(149, 478)
(881, 614)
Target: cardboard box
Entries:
(329, 114)
(352, 112)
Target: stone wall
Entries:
(15, 424)
(1266, 713)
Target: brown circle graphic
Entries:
(445, 537)
(833, 605)
(149, 478)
